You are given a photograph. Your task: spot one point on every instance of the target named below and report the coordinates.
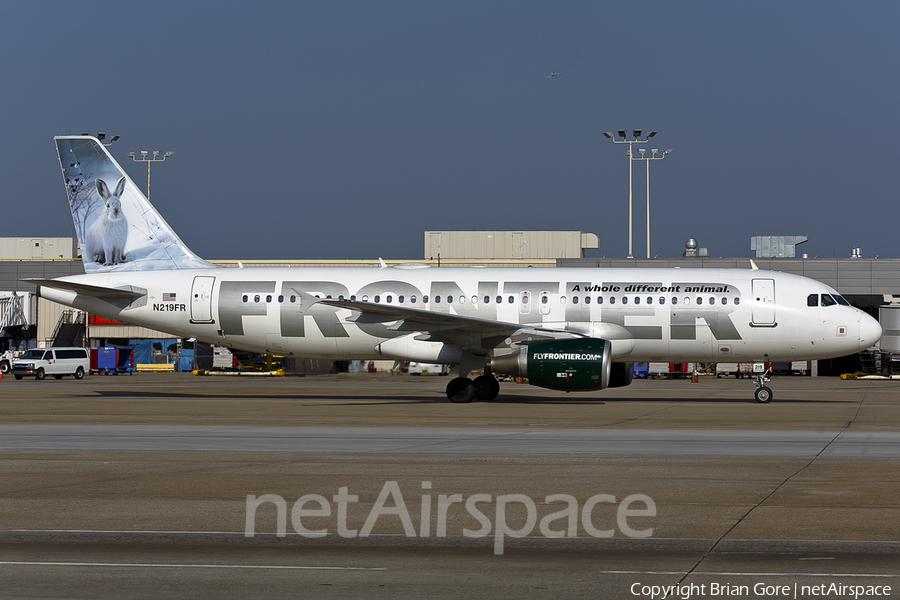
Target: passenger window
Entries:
(674, 300)
(724, 301)
(662, 300)
(699, 300)
(269, 298)
(649, 300)
(587, 299)
(244, 298)
(280, 298)
(812, 300)
(449, 299)
(425, 299)
(562, 299)
(737, 301)
(511, 300)
(612, 300)
(437, 299)
(637, 299)
(256, 298)
(544, 299)
(412, 299)
(574, 299)
(827, 300)
(365, 298)
(389, 298)
(293, 299)
(487, 299)
(599, 299)
(377, 299)
(353, 298)
(400, 299)
(499, 299)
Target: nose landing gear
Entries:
(763, 393)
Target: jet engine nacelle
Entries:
(581, 364)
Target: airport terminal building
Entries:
(872, 285)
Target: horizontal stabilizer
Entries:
(128, 292)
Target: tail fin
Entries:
(117, 227)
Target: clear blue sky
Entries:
(345, 129)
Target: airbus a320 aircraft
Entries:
(563, 329)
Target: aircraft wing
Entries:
(468, 332)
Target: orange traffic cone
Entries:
(694, 378)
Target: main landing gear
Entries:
(763, 393)
(463, 389)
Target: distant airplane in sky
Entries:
(553, 74)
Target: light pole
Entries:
(647, 159)
(144, 158)
(624, 135)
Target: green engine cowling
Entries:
(573, 365)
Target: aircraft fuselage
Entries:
(648, 314)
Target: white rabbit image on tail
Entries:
(105, 239)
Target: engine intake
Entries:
(572, 365)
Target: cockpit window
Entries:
(841, 301)
(812, 300)
(827, 300)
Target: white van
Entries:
(58, 362)
(417, 368)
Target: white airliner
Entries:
(565, 329)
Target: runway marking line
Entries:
(299, 567)
(754, 574)
(400, 535)
(186, 566)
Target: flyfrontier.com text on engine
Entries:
(566, 356)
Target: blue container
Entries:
(115, 360)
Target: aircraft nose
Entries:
(869, 331)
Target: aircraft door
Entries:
(201, 300)
(763, 302)
(545, 303)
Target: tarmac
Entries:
(170, 485)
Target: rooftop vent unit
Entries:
(692, 250)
